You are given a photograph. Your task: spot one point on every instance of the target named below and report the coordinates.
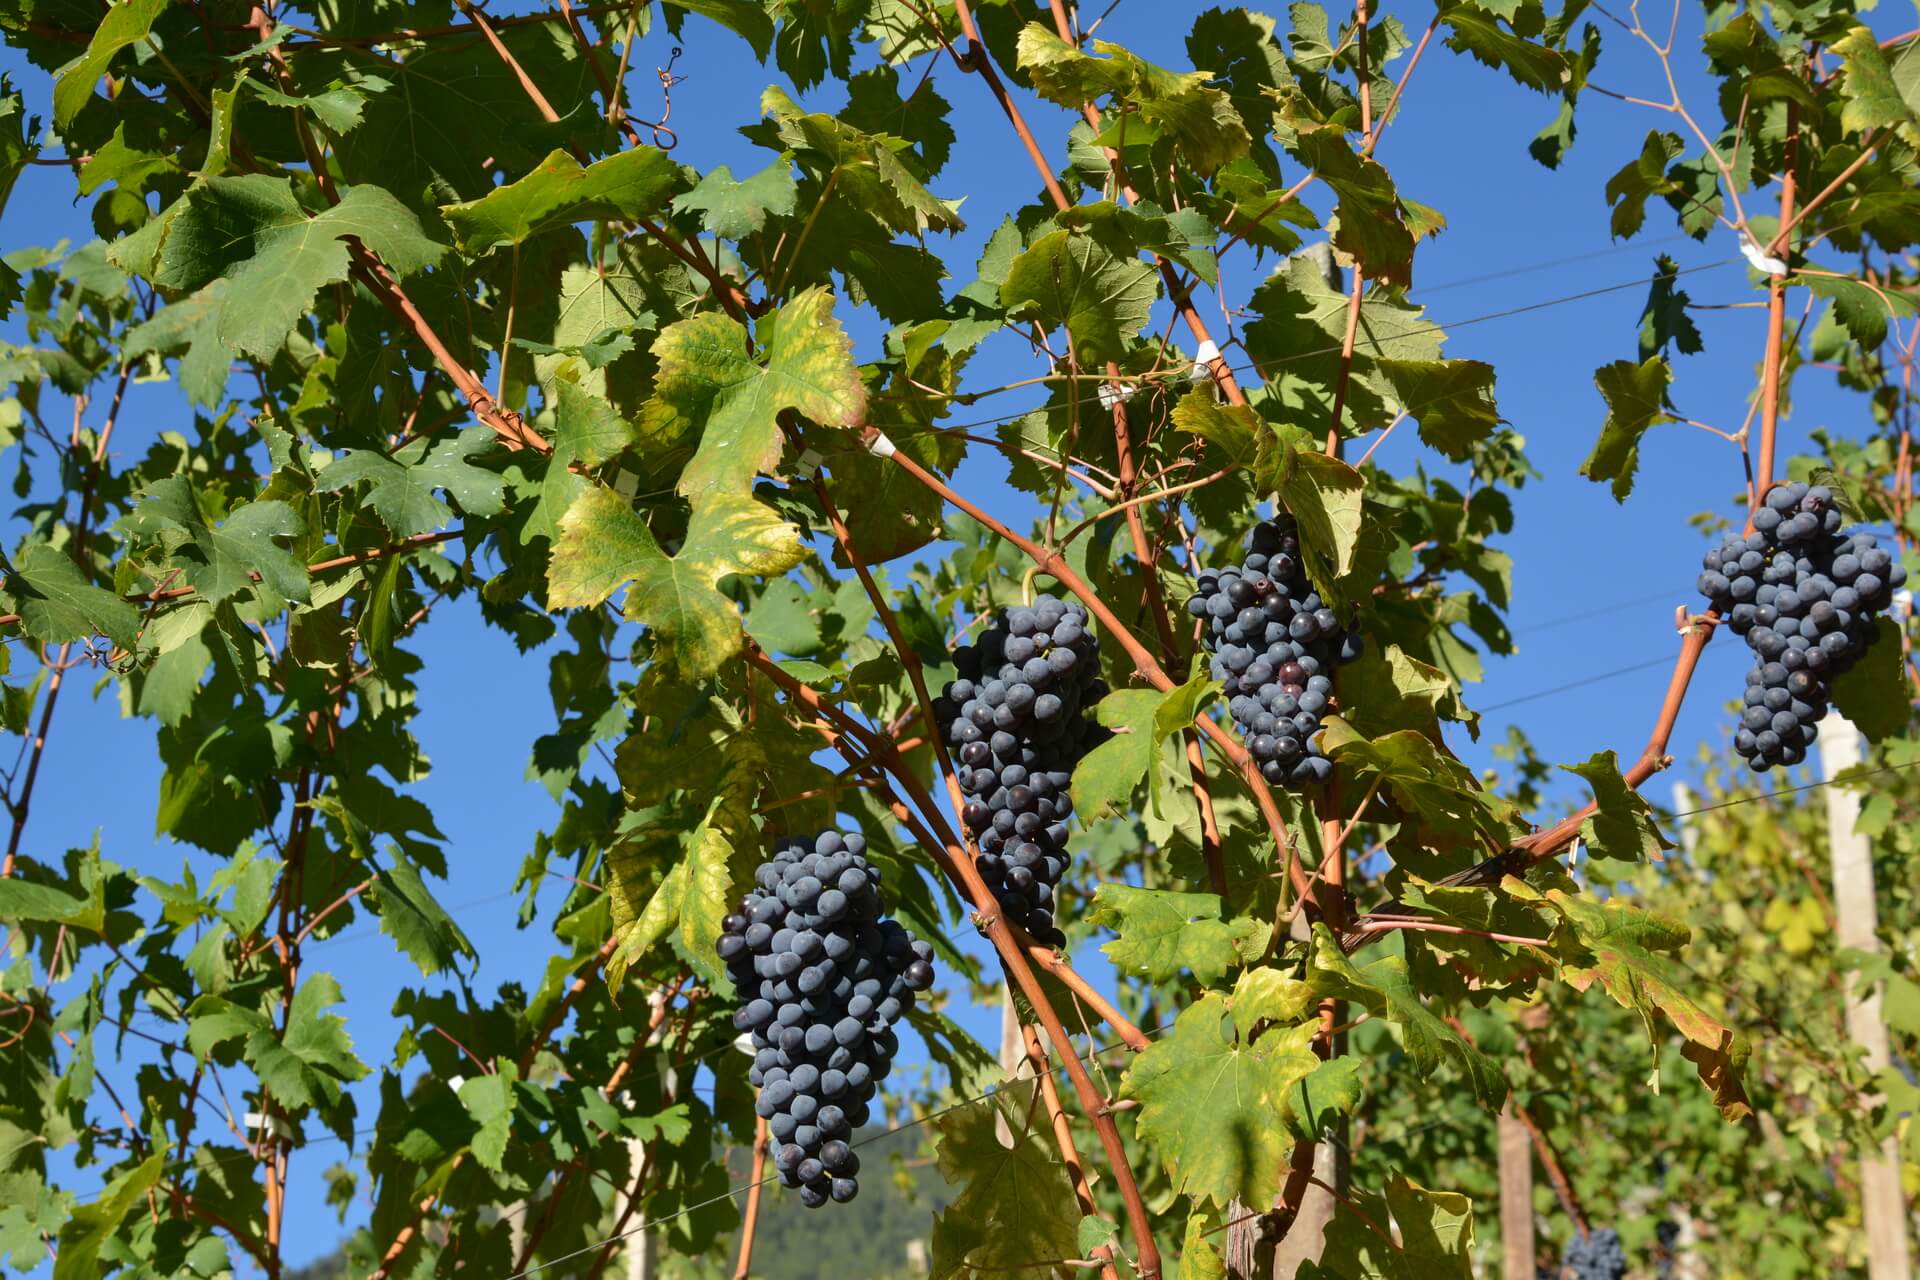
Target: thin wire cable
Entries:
(1843, 780)
(1663, 659)
(1632, 246)
(1336, 348)
(1583, 614)
(858, 1142)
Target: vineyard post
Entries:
(1516, 1197)
(1883, 1201)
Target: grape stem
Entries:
(751, 1220)
(1063, 1138)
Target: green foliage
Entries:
(446, 341)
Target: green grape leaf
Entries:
(1370, 224)
(1235, 429)
(401, 488)
(274, 254)
(308, 1064)
(627, 185)
(1424, 781)
(1163, 934)
(1452, 400)
(1390, 690)
(57, 605)
(57, 904)
(121, 25)
(710, 390)
(1434, 1236)
(604, 545)
(1325, 496)
(1623, 827)
(1475, 29)
(1864, 309)
(1201, 120)
(1316, 1103)
(1208, 1101)
(87, 1231)
(1385, 989)
(1639, 179)
(1105, 779)
(1633, 954)
(340, 108)
(456, 119)
(866, 170)
(191, 326)
(1873, 692)
(586, 428)
(1015, 1203)
(488, 1100)
(734, 209)
(415, 920)
(1636, 396)
(1096, 1233)
(221, 561)
(1071, 280)
(1665, 321)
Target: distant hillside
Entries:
(865, 1240)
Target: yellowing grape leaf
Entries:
(1632, 955)
(695, 894)
(713, 393)
(1201, 120)
(604, 545)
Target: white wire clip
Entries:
(1757, 257)
(627, 484)
(807, 466)
(1114, 394)
(880, 446)
(1203, 361)
(279, 1125)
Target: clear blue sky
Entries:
(1595, 583)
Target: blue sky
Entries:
(1595, 583)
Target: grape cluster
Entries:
(1016, 719)
(1596, 1256)
(1804, 594)
(1274, 642)
(825, 978)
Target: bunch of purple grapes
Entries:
(1804, 594)
(1597, 1255)
(1274, 642)
(825, 976)
(1016, 720)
